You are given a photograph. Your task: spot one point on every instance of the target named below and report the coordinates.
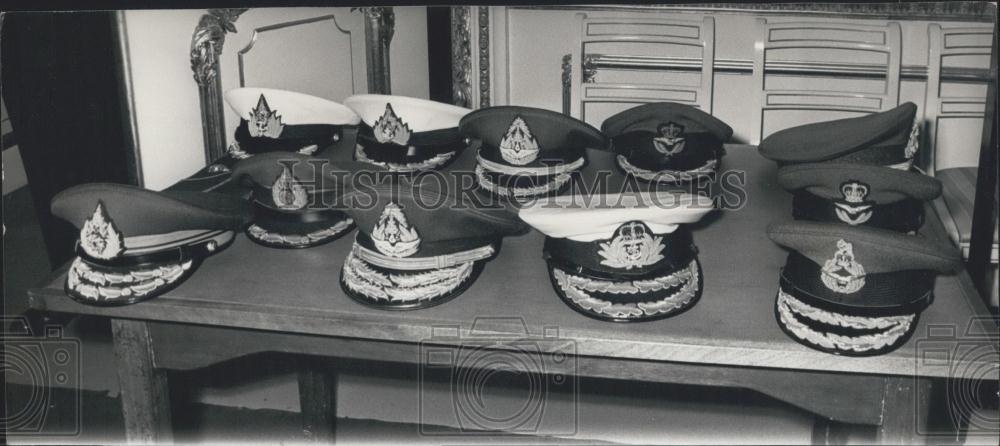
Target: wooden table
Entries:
(250, 299)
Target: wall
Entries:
(166, 96)
(533, 72)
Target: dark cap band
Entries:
(293, 138)
(883, 294)
(585, 258)
(177, 254)
(641, 151)
(902, 216)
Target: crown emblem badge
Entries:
(518, 146)
(393, 235)
(99, 237)
(854, 209)
(287, 193)
(264, 122)
(670, 140)
(633, 246)
(842, 273)
(389, 128)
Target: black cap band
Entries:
(546, 157)
(585, 258)
(640, 150)
(177, 254)
(293, 138)
(883, 294)
(428, 249)
(906, 215)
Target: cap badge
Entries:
(671, 139)
(389, 128)
(842, 273)
(853, 209)
(287, 193)
(914, 142)
(393, 235)
(518, 146)
(99, 237)
(264, 122)
(633, 246)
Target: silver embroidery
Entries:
(854, 209)
(632, 246)
(670, 142)
(99, 237)
(393, 235)
(389, 128)
(576, 289)
(913, 144)
(264, 122)
(237, 152)
(96, 285)
(294, 240)
(287, 193)
(842, 273)
(892, 327)
(402, 288)
(667, 176)
(431, 163)
(554, 184)
(518, 146)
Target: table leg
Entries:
(905, 410)
(827, 431)
(318, 400)
(144, 393)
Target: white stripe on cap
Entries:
(595, 217)
(420, 115)
(294, 108)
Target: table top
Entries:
(298, 291)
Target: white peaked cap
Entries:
(420, 115)
(293, 108)
(596, 217)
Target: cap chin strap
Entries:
(296, 240)
(428, 164)
(203, 246)
(530, 171)
(552, 185)
(666, 175)
(423, 263)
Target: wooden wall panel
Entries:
(524, 72)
